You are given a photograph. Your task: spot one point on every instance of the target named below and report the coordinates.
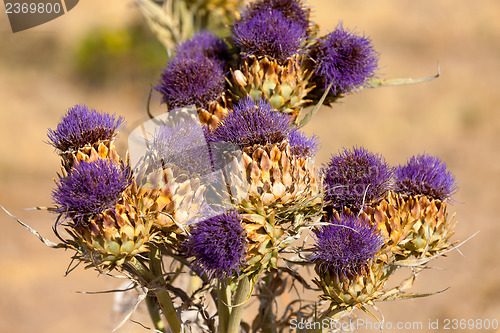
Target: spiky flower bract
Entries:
(188, 80)
(81, 126)
(355, 178)
(427, 175)
(217, 245)
(346, 246)
(204, 43)
(269, 33)
(302, 145)
(252, 123)
(91, 188)
(292, 9)
(346, 59)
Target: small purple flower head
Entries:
(346, 59)
(346, 246)
(218, 245)
(81, 126)
(204, 43)
(188, 80)
(90, 188)
(269, 33)
(292, 9)
(302, 145)
(252, 123)
(424, 174)
(353, 178)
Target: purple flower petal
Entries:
(269, 33)
(81, 126)
(346, 59)
(90, 188)
(218, 245)
(346, 246)
(424, 174)
(188, 80)
(353, 178)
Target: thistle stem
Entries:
(167, 307)
(266, 298)
(154, 313)
(240, 297)
(159, 284)
(223, 304)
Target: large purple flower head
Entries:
(355, 178)
(270, 33)
(90, 188)
(346, 246)
(424, 174)
(251, 123)
(292, 9)
(188, 80)
(346, 59)
(81, 126)
(204, 43)
(217, 245)
(302, 145)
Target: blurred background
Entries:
(102, 54)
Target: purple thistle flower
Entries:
(204, 43)
(346, 59)
(218, 245)
(190, 80)
(182, 144)
(424, 174)
(269, 32)
(292, 9)
(81, 126)
(251, 123)
(353, 178)
(302, 145)
(90, 188)
(346, 246)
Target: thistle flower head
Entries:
(218, 245)
(188, 80)
(91, 188)
(424, 174)
(292, 9)
(81, 126)
(204, 43)
(346, 59)
(302, 145)
(268, 32)
(251, 123)
(346, 246)
(353, 178)
(182, 144)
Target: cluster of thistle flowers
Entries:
(249, 92)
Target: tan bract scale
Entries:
(285, 85)
(413, 225)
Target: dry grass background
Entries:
(454, 117)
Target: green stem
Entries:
(154, 313)
(223, 304)
(167, 307)
(267, 304)
(160, 289)
(240, 297)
